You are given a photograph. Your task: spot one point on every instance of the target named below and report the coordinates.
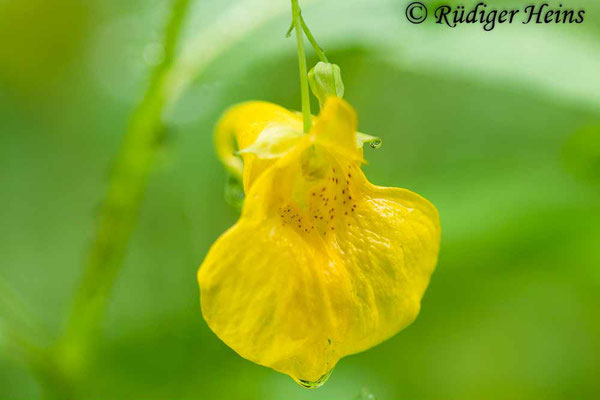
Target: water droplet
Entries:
(316, 384)
(375, 144)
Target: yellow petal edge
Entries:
(321, 263)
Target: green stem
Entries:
(306, 115)
(313, 41)
(120, 207)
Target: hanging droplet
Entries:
(375, 144)
(316, 384)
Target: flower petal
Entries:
(390, 248)
(271, 297)
(336, 129)
(241, 125)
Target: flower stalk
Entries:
(297, 24)
(313, 41)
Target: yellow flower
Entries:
(321, 263)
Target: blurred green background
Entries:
(500, 130)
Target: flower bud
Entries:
(326, 80)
